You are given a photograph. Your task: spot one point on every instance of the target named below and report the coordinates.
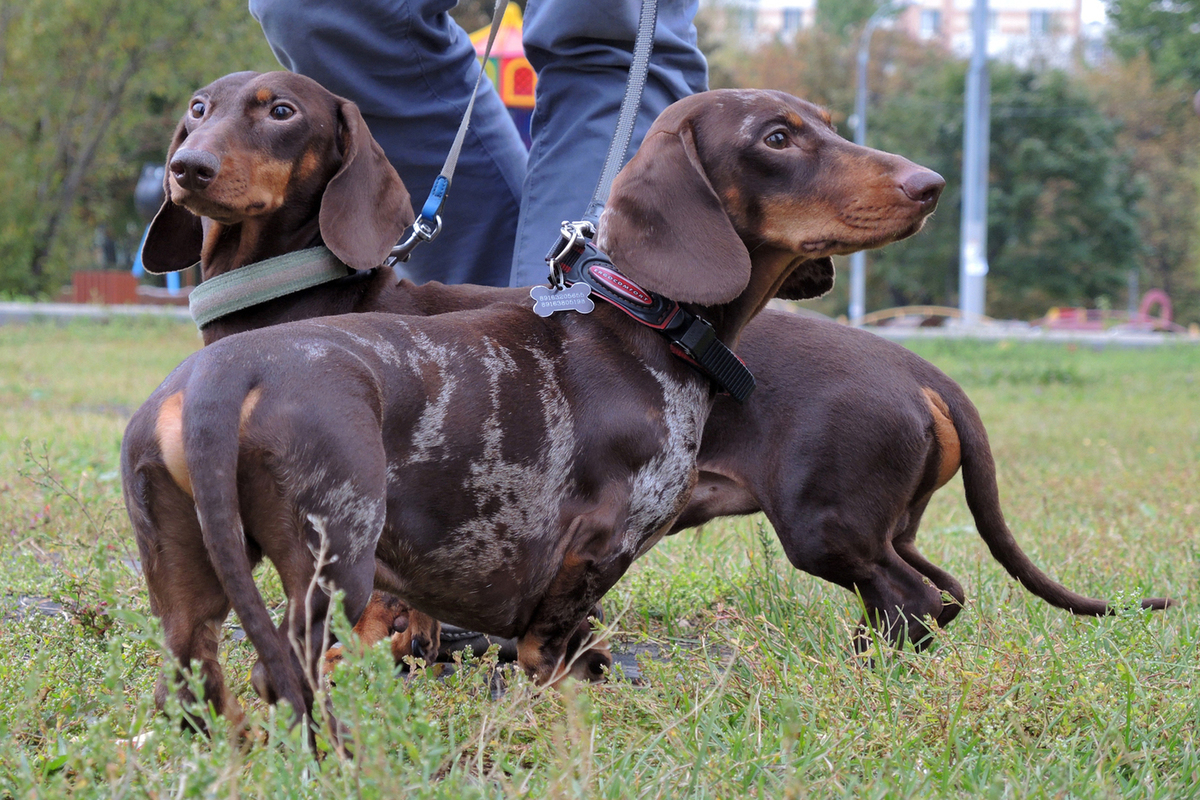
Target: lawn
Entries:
(748, 686)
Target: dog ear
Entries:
(808, 280)
(666, 229)
(175, 236)
(365, 207)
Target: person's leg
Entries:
(582, 51)
(411, 68)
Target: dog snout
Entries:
(923, 186)
(193, 169)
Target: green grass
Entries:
(1098, 454)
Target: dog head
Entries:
(272, 161)
(727, 173)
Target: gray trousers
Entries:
(410, 68)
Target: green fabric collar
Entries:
(266, 280)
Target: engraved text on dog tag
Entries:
(574, 298)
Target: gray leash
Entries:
(630, 104)
(574, 234)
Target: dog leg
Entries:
(898, 601)
(384, 616)
(905, 544)
(184, 593)
(420, 639)
(559, 642)
(588, 657)
(944, 581)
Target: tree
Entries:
(1062, 225)
(845, 18)
(1167, 32)
(1158, 131)
(89, 89)
(1150, 93)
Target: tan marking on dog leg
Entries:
(531, 658)
(376, 624)
(947, 437)
(401, 646)
(248, 406)
(169, 429)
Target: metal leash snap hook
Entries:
(422, 231)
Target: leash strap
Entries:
(630, 103)
(692, 338)
(429, 222)
(257, 283)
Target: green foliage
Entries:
(845, 18)
(1158, 132)
(1165, 31)
(1061, 223)
(88, 92)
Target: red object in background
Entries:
(110, 287)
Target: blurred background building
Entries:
(1027, 33)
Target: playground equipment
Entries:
(1103, 319)
(916, 316)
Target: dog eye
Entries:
(198, 109)
(777, 140)
(281, 111)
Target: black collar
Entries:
(574, 259)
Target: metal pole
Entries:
(1135, 293)
(858, 261)
(973, 265)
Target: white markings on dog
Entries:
(359, 512)
(314, 350)
(659, 488)
(357, 515)
(429, 432)
(379, 346)
(748, 125)
(516, 501)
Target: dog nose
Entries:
(194, 169)
(924, 187)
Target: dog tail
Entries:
(983, 498)
(212, 410)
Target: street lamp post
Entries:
(973, 265)
(858, 261)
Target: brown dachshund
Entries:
(493, 468)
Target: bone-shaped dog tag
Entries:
(574, 298)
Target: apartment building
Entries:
(1024, 32)
(755, 22)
